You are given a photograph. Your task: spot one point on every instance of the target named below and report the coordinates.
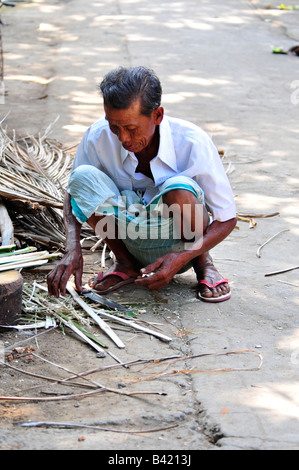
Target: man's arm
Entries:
(168, 266)
(72, 262)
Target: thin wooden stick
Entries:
(106, 328)
(13, 258)
(96, 384)
(112, 366)
(281, 272)
(43, 377)
(134, 325)
(258, 253)
(77, 396)
(188, 371)
(85, 338)
(258, 216)
(97, 428)
(8, 267)
(29, 249)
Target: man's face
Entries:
(134, 130)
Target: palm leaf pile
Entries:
(33, 177)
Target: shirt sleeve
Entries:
(87, 153)
(212, 178)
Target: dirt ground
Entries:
(216, 65)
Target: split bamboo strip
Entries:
(85, 338)
(29, 249)
(23, 265)
(13, 258)
(134, 325)
(94, 316)
(7, 248)
(26, 260)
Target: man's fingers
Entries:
(78, 280)
(57, 280)
(154, 282)
(151, 267)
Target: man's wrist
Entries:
(72, 244)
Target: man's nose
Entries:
(124, 136)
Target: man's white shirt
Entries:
(185, 150)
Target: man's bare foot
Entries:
(206, 271)
(111, 281)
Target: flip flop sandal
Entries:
(125, 279)
(222, 298)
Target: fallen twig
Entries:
(43, 377)
(10, 348)
(97, 428)
(282, 271)
(251, 218)
(258, 216)
(162, 360)
(77, 396)
(258, 253)
(126, 364)
(96, 384)
(288, 283)
(188, 371)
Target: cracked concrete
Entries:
(216, 65)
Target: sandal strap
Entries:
(211, 286)
(123, 276)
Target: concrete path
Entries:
(215, 61)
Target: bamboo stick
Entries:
(76, 330)
(29, 249)
(23, 265)
(13, 258)
(7, 248)
(134, 325)
(106, 328)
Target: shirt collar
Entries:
(166, 152)
(123, 154)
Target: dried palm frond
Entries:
(34, 173)
(34, 170)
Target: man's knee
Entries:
(179, 197)
(85, 175)
(189, 214)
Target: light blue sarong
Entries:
(145, 232)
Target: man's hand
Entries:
(71, 263)
(158, 274)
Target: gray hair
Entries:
(122, 86)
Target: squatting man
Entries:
(153, 187)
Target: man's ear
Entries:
(158, 115)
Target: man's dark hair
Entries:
(121, 87)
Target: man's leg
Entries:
(189, 222)
(125, 263)
(191, 219)
(95, 199)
